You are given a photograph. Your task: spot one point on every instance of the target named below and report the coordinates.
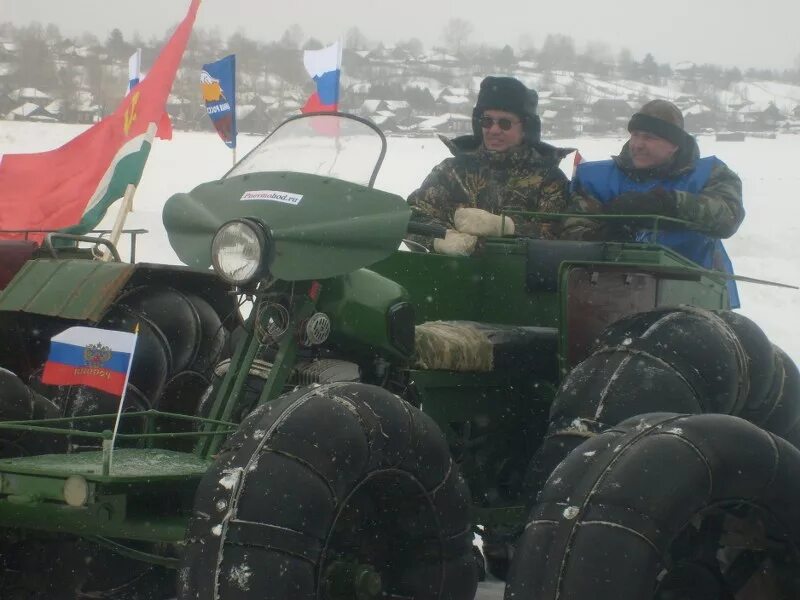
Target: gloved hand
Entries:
(655, 202)
(455, 244)
(476, 221)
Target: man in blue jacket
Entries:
(659, 172)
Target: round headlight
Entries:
(239, 251)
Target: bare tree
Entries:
(37, 67)
(354, 39)
(292, 37)
(456, 34)
(412, 45)
(558, 52)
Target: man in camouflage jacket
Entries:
(659, 172)
(492, 170)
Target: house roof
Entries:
(55, 107)
(370, 105)
(29, 93)
(244, 110)
(362, 87)
(396, 104)
(439, 120)
(454, 99)
(29, 110)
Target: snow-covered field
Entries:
(767, 246)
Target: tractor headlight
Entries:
(240, 251)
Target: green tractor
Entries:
(312, 413)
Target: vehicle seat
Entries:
(469, 346)
(14, 254)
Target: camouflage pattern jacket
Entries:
(524, 178)
(717, 210)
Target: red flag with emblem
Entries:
(71, 187)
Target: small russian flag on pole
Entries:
(98, 358)
(134, 69)
(325, 67)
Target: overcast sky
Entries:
(726, 32)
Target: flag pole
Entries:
(122, 214)
(108, 445)
(127, 202)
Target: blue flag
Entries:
(218, 83)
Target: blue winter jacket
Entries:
(604, 180)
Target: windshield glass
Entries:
(333, 145)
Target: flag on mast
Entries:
(134, 69)
(218, 85)
(325, 68)
(90, 356)
(71, 187)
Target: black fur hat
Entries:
(511, 95)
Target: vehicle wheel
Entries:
(335, 491)
(667, 507)
(674, 359)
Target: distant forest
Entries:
(89, 74)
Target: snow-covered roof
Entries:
(370, 105)
(55, 107)
(244, 110)
(397, 104)
(455, 99)
(684, 65)
(6, 69)
(439, 57)
(455, 91)
(549, 114)
(431, 123)
(362, 87)
(362, 53)
(29, 93)
(385, 113)
(9, 46)
(81, 51)
(173, 100)
(27, 111)
(696, 109)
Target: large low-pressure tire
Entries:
(674, 359)
(666, 507)
(336, 491)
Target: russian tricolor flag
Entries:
(134, 70)
(325, 67)
(98, 358)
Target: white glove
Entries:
(455, 244)
(476, 221)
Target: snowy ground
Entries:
(764, 247)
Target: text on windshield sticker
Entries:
(273, 196)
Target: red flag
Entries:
(575, 162)
(72, 186)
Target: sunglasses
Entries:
(504, 123)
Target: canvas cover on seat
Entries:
(470, 346)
